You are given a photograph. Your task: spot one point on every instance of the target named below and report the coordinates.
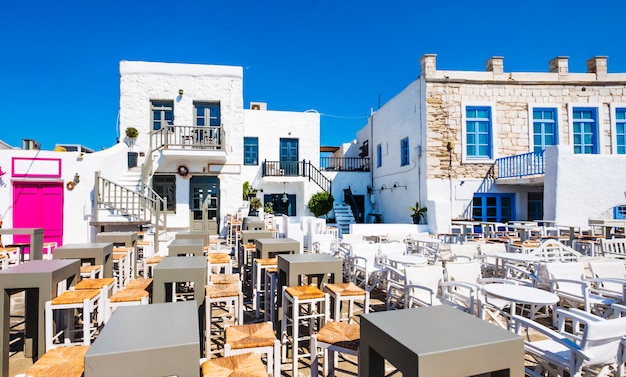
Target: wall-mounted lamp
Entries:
(397, 185)
(450, 146)
(370, 191)
(383, 188)
(180, 92)
(76, 178)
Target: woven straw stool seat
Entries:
(59, 362)
(246, 365)
(254, 337)
(129, 294)
(89, 271)
(140, 283)
(222, 290)
(305, 292)
(334, 337)
(94, 283)
(267, 261)
(75, 297)
(224, 279)
(250, 335)
(215, 258)
(341, 334)
(349, 292)
(154, 260)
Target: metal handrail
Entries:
(521, 165)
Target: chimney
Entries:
(559, 65)
(597, 65)
(428, 63)
(496, 65)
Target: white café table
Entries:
(407, 260)
(520, 294)
(524, 258)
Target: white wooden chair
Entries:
(597, 349)
(609, 278)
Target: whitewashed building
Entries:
(499, 146)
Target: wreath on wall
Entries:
(70, 185)
(183, 171)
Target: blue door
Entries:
(289, 156)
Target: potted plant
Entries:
(321, 203)
(131, 138)
(418, 213)
(255, 204)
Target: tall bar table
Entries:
(437, 341)
(147, 340)
(173, 270)
(127, 239)
(183, 246)
(204, 236)
(35, 244)
(99, 252)
(39, 278)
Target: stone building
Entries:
(499, 146)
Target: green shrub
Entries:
(321, 203)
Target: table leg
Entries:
(5, 307)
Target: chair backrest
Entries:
(569, 271)
(614, 247)
(602, 339)
(428, 276)
(492, 248)
(611, 269)
(554, 251)
(468, 249)
(469, 272)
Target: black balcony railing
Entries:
(296, 169)
(345, 163)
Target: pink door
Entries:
(39, 205)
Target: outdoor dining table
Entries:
(39, 279)
(204, 236)
(437, 341)
(521, 294)
(502, 258)
(96, 253)
(127, 239)
(407, 260)
(250, 236)
(35, 243)
(467, 227)
(269, 247)
(172, 270)
(186, 246)
(147, 340)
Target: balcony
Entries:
(345, 164)
(302, 169)
(527, 168)
(207, 142)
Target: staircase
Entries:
(131, 179)
(344, 217)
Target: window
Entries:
(379, 155)
(404, 151)
(585, 130)
(544, 128)
(165, 187)
(279, 206)
(535, 206)
(207, 114)
(162, 114)
(619, 212)
(250, 150)
(478, 132)
(493, 207)
(620, 130)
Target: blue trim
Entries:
(404, 151)
(545, 128)
(250, 150)
(493, 207)
(620, 130)
(619, 212)
(478, 130)
(585, 130)
(379, 155)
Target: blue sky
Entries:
(59, 60)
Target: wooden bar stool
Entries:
(227, 297)
(303, 306)
(218, 261)
(131, 260)
(125, 297)
(88, 271)
(120, 261)
(332, 338)
(349, 292)
(63, 310)
(258, 338)
(271, 279)
(249, 365)
(149, 264)
(247, 251)
(59, 362)
(48, 247)
(106, 286)
(224, 279)
(258, 284)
